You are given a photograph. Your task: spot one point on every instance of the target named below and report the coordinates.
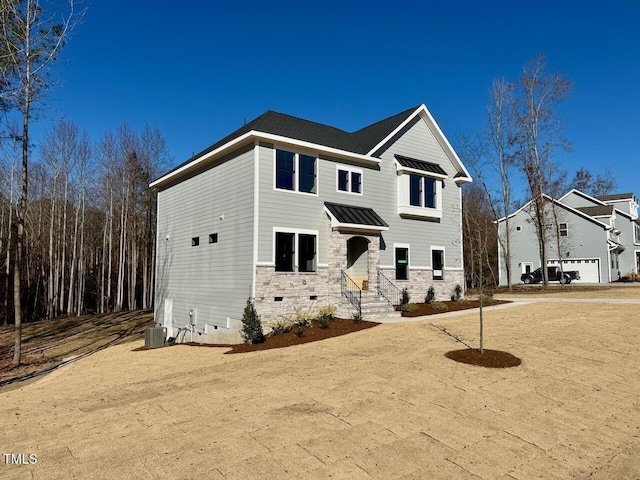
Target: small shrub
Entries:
(251, 326)
(487, 300)
(431, 295)
(439, 306)
(410, 307)
(327, 312)
(323, 321)
(457, 293)
(356, 317)
(405, 296)
(283, 325)
(298, 331)
(464, 302)
(302, 318)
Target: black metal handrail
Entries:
(351, 291)
(388, 290)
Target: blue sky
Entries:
(197, 69)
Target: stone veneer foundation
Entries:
(280, 293)
(420, 280)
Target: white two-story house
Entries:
(296, 214)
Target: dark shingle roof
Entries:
(355, 215)
(597, 211)
(615, 196)
(275, 123)
(420, 165)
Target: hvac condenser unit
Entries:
(154, 337)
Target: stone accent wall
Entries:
(420, 281)
(295, 290)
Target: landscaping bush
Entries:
(464, 302)
(405, 296)
(283, 325)
(251, 325)
(439, 306)
(327, 312)
(299, 331)
(356, 317)
(457, 293)
(323, 321)
(410, 307)
(431, 295)
(487, 300)
(302, 318)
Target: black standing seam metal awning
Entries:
(352, 215)
(420, 165)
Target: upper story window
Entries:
(564, 229)
(637, 229)
(420, 186)
(349, 179)
(295, 172)
(422, 191)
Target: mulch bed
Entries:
(489, 358)
(427, 308)
(337, 327)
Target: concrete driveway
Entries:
(383, 403)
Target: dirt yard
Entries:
(382, 403)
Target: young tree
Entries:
(538, 134)
(31, 42)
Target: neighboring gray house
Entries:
(297, 214)
(599, 237)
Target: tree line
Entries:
(77, 218)
(90, 222)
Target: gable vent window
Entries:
(213, 238)
(195, 241)
(295, 172)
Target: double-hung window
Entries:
(349, 180)
(295, 172)
(564, 229)
(420, 188)
(295, 249)
(422, 191)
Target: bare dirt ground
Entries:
(46, 345)
(382, 403)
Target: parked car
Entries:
(554, 275)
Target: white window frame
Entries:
(565, 229)
(523, 265)
(404, 195)
(444, 263)
(296, 170)
(350, 170)
(296, 245)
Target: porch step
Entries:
(376, 306)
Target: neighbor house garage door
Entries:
(589, 268)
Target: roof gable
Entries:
(360, 145)
(582, 195)
(561, 205)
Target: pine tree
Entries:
(252, 328)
